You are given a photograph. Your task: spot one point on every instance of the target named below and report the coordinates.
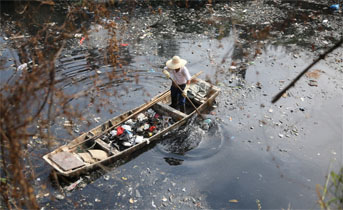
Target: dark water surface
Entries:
(255, 153)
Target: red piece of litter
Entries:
(81, 41)
(152, 128)
(120, 130)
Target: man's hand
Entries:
(165, 72)
(184, 92)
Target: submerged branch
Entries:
(322, 56)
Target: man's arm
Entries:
(188, 78)
(186, 74)
(166, 72)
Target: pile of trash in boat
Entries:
(135, 131)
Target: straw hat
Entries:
(175, 63)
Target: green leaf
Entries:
(333, 200)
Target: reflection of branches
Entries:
(49, 92)
(322, 56)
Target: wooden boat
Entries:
(90, 149)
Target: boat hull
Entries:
(160, 103)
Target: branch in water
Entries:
(322, 56)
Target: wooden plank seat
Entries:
(165, 109)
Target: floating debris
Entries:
(77, 35)
(153, 204)
(314, 74)
(138, 194)
(73, 185)
(313, 83)
(97, 119)
(59, 197)
(81, 41)
(233, 201)
(22, 67)
(67, 123)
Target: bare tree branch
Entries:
(322, 56)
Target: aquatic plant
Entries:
(331, 196)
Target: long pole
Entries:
(187, 98)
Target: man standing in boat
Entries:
(182, 78)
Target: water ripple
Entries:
(192, 143)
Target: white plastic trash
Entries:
(140, 129)
(22, 67)
(139, 139)
(127, 144)
(141, 117)
(127, 127)
(78, 35)
(151, 112)
(113, 133)
(129, 122)
(146, 126)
